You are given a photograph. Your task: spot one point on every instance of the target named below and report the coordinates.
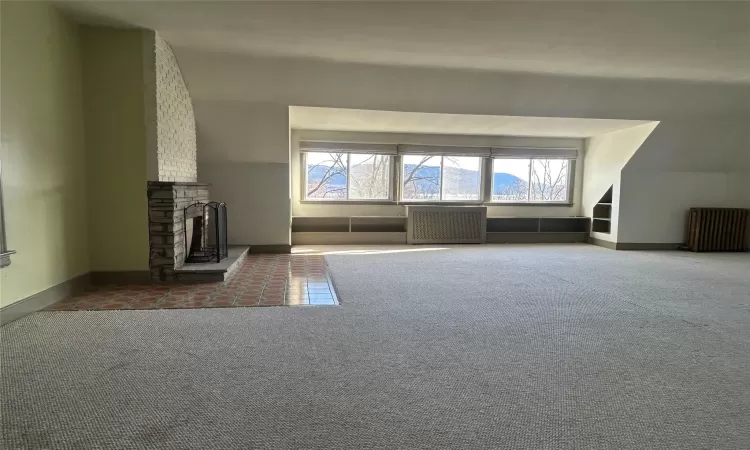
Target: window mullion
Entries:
(397, 174)
(440, 196)
(485, 193)
(571, 175)
(528, 194)
(303, 167)
(348, 182)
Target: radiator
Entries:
(446, 224)
(717, 229)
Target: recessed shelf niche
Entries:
(602, 217)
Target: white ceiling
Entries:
(701, 41)
(337, 119)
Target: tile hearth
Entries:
(262, 280)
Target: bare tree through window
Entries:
(510, 180)
(421, 177)
(549, 180)
(360, 176)
(431, 177)
(530, 179)
(518, 190)
(369, 176)
(353, 176)
(325, 171)
(461, 178)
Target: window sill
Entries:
(529, 204)
(410, 203)
(443, 203)
(348, 202)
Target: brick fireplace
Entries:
(167, 201)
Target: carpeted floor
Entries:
(474, 347)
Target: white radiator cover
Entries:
(446, 224)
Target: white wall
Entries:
(244, 155)
(606, 155)
(318, 209)
(655, 201)
(741, 177)
(740, 183)
(170, 119)
(241, 111)
(175, 119)
(654, 206)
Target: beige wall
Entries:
(116, 143)
(43, 157)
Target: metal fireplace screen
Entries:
(208, 242)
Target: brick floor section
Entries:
(262, 280)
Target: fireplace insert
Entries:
(206, 232)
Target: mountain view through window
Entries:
(534, 180)
(344, 176)
(341, 176)
(434, 178)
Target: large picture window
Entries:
(347, 176)
(441, 178)
(414, 173)
(530, 180)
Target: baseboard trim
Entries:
(603, 243)
(121, 277)
(635, 246)
(535, 238)
(43, 299)
(280, 248)
(347, 238)
(648, 245)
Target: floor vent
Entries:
(717, 230)
(446, 225)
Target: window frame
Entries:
(568, 192)
(304, 172)
(396, 172)
(478, 201)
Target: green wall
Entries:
(116, 143)
(43, 156)
(73, 150)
